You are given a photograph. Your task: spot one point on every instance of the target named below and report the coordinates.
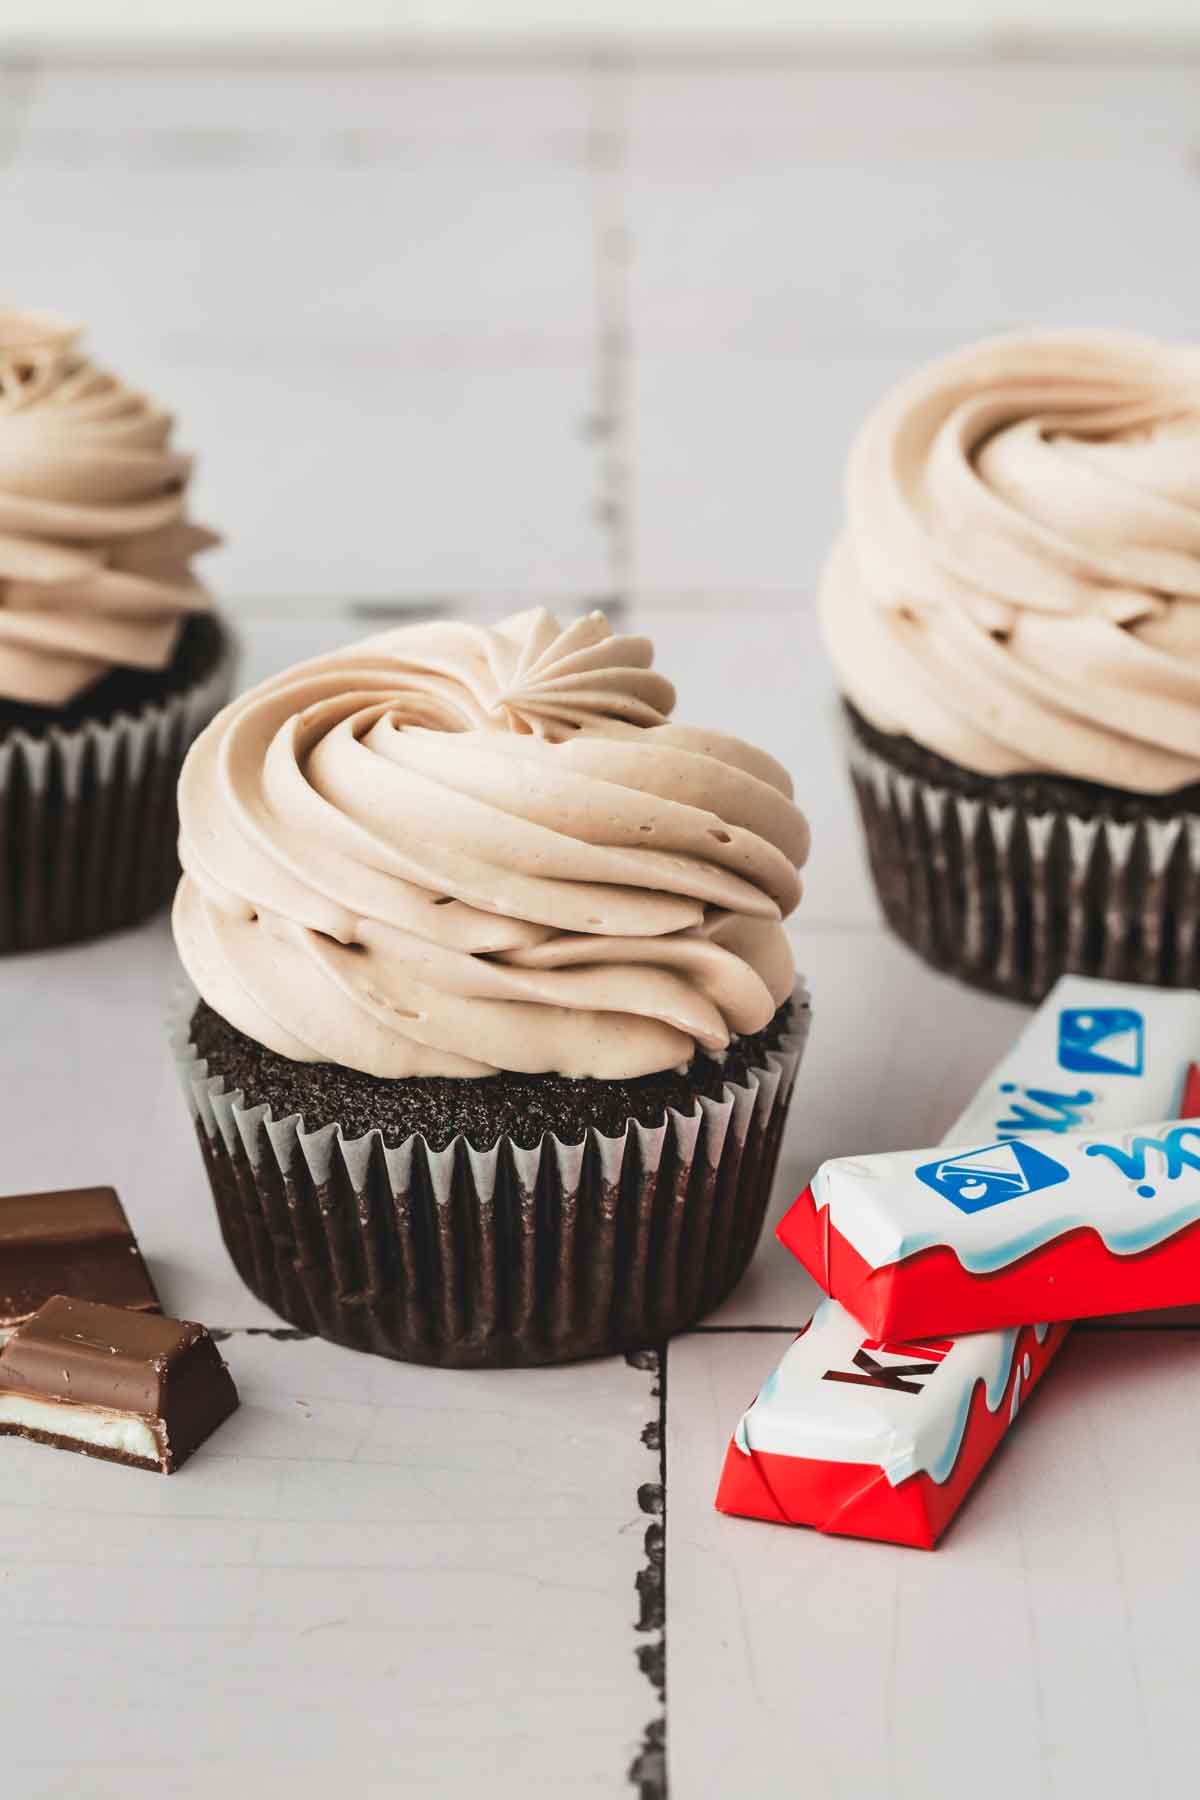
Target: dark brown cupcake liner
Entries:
(472, 1258)
(1009, 898)
(88, 822)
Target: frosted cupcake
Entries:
(110, 660)
(498, 1021)
(1014, 613)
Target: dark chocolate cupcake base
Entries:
(88, 821)
(1010, 883)
(510, 1254)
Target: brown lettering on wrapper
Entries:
(896, 1378)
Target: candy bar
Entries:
(857, 1434)
(867, 1438)
(77, 1242)
(985, 1235)
(1094, 1053)
(134, 1388)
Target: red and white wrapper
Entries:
(863, 1437)
(1003, 1226)
(1095, 1053)
(978, 1236)
(860, 1435)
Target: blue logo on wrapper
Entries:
(1102, 1040)
(977, 1179)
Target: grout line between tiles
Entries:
(282, 1334)
(648, 1770)
(609, 421)
(609, 426)
(18, 84)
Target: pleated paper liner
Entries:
(88, 822)
(472, 1258)
(1009, 898)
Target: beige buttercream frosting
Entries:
(451, 850)
(94, 539)
(1018, 585)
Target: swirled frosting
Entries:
(1018, 586)
(451, 850)
(94, 541)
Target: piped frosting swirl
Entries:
(451, 850)
(95, 544)
(1018, 586)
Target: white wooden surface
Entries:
(474, 338)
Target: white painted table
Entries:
(482, 336)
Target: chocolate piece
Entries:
(78, 1242)
(130, 1387)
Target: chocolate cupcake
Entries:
(110, 660)
(1014, 614)
(498, 1022)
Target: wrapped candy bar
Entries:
(999, 1229)
(860, 1435)
(980, 1236)
(867, 1438)
(1094, 1053)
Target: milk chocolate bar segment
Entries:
(131, 1387)
(76, 1241)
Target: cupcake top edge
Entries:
(95, 540)
(1017, 586)
(452, 850)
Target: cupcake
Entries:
(1014, 614)
(493, 1021)
(110, 660)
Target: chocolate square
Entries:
(136, 1388)
(76, 1241)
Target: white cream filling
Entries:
(94, 1427)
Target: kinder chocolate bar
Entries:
(864, 1437)
(1094, 1053)
(995, 1234)
(858, 1435)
